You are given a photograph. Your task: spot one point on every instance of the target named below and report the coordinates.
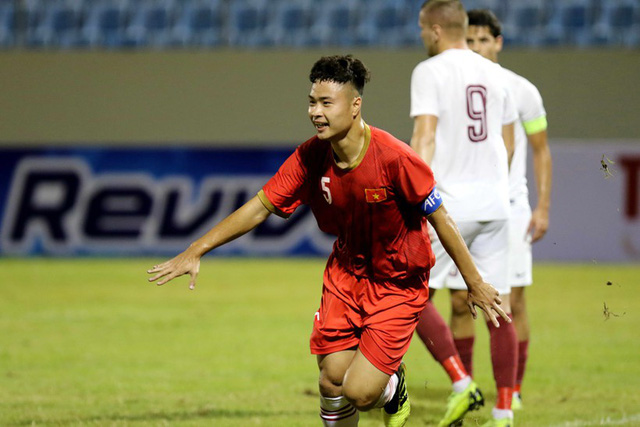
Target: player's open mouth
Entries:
(320, 126)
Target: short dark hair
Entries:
(340, 69)
(485, 18)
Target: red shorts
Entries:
(378, 317)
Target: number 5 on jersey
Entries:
(324, 183)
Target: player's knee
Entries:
(330, 386)
(361, 398)
(517, 301)
(459, 307)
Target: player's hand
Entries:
(188, 262)
(488, 299)
(539, 224)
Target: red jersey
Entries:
(372, 207)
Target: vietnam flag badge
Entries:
(375, 195)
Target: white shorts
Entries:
(520, 257)
(488, 243)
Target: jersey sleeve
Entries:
(284, 192)
(532, 112)
(414, 179)
(424, 92)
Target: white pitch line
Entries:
(605, 421)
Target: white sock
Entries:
(501, 413)
(460, 385)
(388, 392)
(338, 412)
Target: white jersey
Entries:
(531, 114)
(468, 95)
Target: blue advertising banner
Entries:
(156, 201)
(139, 201)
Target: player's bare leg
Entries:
(335, 409)
(366, 387)
(519, 312)
(363, 383)
(332, 370)
(350, 383)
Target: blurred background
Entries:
(130, 127)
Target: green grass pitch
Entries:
(90, 342)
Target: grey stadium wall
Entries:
(259, 97)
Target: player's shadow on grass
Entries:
(175, 416)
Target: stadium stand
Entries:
(382, 23)
(28, 17)
(7, 24)
(247, 23)
(334, 23)
(619, 24)
(497, 6)
(105, 24)
(160, 24)
(54, 23)
(151, 23)
(199, 23)
(289, 22)
(524, 23)
(571, 23)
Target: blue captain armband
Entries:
(431, 203)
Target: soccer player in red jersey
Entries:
(375, 194)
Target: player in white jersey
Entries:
(485, 37)
(464, 129)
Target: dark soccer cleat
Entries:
(396, 412)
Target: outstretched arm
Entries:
(481, 293)
(243, 220)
